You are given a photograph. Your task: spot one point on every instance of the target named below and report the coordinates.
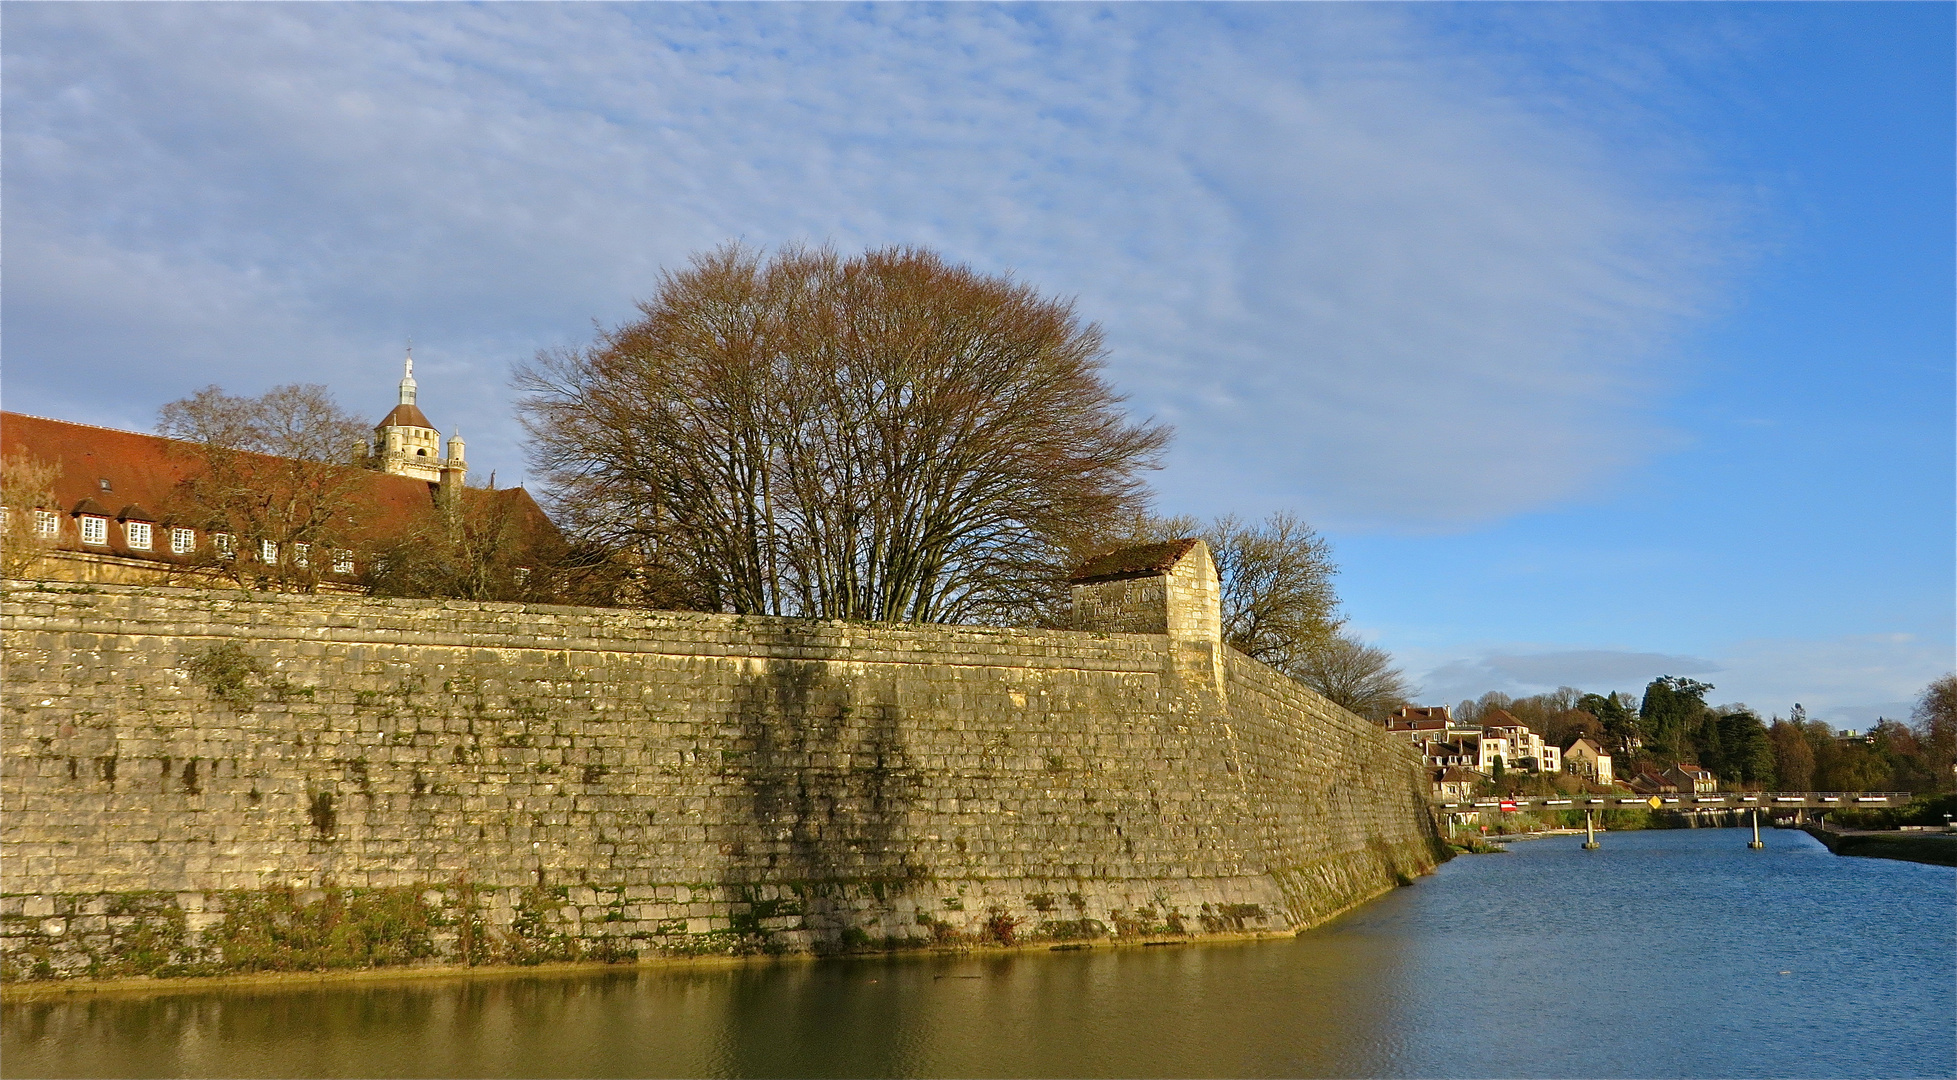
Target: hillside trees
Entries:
(1935, 716)
(1673, 711)
(1618, 719)
(1889, 756)
(887, 436)
(1744, 752)
(1793, 755)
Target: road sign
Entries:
(1508, 804)
(1655, 802)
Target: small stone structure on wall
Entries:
(205, 781)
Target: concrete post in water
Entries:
(1756, 844)
(1590, 831)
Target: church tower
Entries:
(406, 444)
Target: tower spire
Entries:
(408, 378)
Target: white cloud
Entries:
(1363, 279)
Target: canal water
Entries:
(1666, 954)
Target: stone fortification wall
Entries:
(201, 780)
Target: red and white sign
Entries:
(1508, 805)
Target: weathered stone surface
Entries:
(494, 781)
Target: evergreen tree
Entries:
(1671, 713)
(1747, 755)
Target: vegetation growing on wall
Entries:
(227, 671)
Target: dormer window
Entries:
(47, 523)
(138, 534)
(268, 552)
(225, 544)
(182, 541)
(343, 561)
(302, 554)
(95, 530)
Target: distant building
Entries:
(1464, 753)
(1691, 778)
(1527, 750)
(1455, 784)
(116, 510)
(1586, 758)
(1423, 714)
(1647, 782)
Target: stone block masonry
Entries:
(204, 781)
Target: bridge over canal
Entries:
(1771, 801)
(1683, 802)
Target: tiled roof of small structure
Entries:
(1133, 562)
(405, 416)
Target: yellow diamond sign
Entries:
(1656, 802)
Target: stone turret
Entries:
(406, 444)
(454, 469)
(1169, 588)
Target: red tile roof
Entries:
(1133, 562)
(100, 469)
(405, 416)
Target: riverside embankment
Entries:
(1936, 849)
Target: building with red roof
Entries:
(113, 508)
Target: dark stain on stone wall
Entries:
(827, 787)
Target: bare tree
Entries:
(1353, 674)
(1936, 729)
(490, 544)
(273, 477)
(1278, 602)
(886, 437)
(29, 529)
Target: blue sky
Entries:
(1604, 341)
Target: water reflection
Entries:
(1660, 956)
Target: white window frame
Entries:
(343, 561)
(182, 541)
(47, 524)
(225, 545)
(140, 535)
(302, 554)
(268, 552)
(95, 530)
